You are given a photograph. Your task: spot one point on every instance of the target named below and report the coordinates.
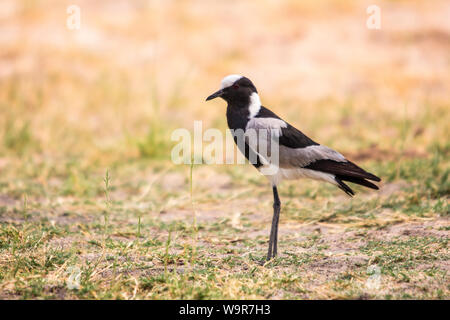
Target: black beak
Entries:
(215, 95)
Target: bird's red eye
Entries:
(235, 86)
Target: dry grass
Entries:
(74, 104)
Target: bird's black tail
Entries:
(345, 171)
(363, 182)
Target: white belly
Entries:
(279, 174)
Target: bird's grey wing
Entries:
(274, 130)
(324, 159)
(302, 157)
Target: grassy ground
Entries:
(92, 207)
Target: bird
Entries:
(298, 155)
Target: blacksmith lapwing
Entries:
(298, 155)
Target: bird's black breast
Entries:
(237, 119)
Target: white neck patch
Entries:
(229, 80)
(254, 106)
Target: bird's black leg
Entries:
(273, 241)
(272, 232)
(276, 210)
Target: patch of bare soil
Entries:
(62, 243)
(7, 201)
(59, 217)
(433, 228)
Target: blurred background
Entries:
(135, 70)
(107, 96)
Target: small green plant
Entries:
(166, 252)
(106, 181)
(194, 214)
(25, 205)
(139, 227)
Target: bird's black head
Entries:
(236, 90)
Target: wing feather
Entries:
(344, 169)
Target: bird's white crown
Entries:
(229, 80)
